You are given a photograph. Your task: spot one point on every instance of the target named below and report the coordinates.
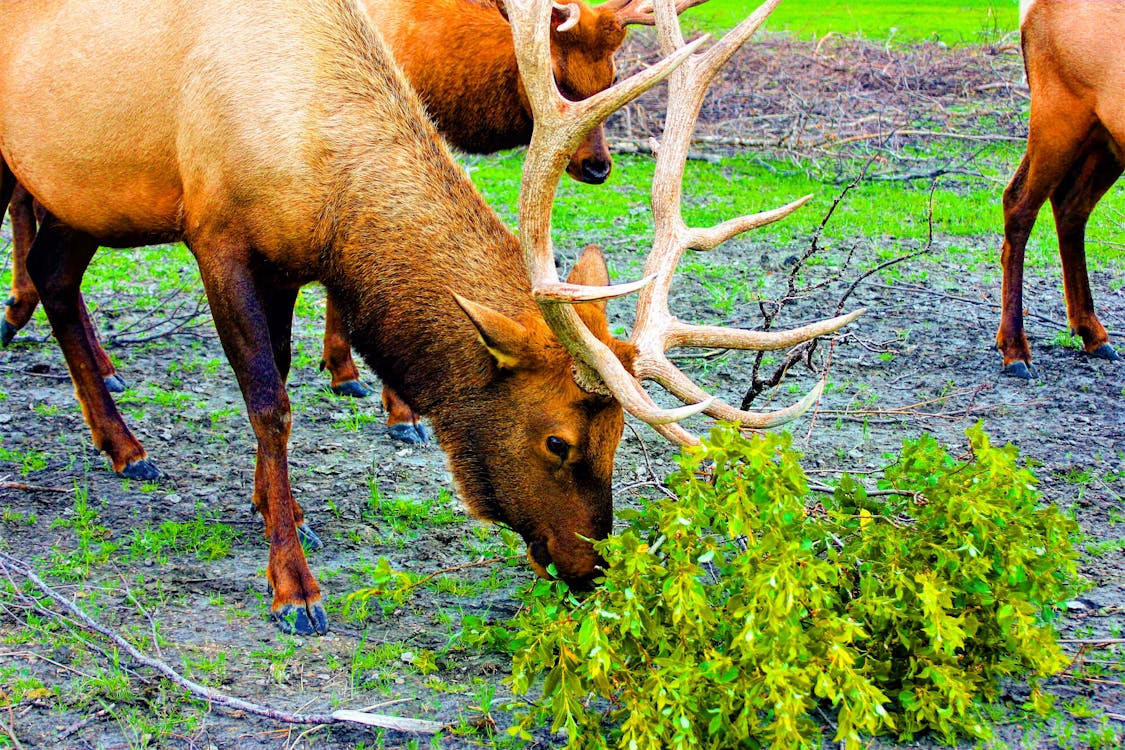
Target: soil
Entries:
(920, 360)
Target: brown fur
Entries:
(458, 55)
(1076, 70)
(298, 155)
(460, 59)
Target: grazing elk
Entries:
(459, 57)
(1075, 152)
(300, 154)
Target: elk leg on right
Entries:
(1072, 203)
(56, 262)
(1049, 158)
(402, 423)
(253, 318)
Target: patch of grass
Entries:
(27, 460)
(15, 517)
(404, 514)
(93, 546)
(206, 538)
(950, 21)
(891, 214)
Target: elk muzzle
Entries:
(577, 564)
(591, 163)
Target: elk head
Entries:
(585, 377)
(547, 470)
(584, 40)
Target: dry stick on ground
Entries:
(33, 370)
(32, 487)
(174, 322)
(12, 565)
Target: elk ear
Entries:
(590, 270)
(505, 339)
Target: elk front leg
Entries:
(56, 262)
(337, 356)
(248, 314)
(1072, 203)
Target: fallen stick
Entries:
(396, 723)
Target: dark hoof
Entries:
(1019, 369)
(311, 620)
(352, 388)
(115, 383)
(1105, 351)
(309, 540)
(414, 434)
(7, 332)
(143, 470)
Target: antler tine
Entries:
(656, 329)
(640, 11)
(560, 125)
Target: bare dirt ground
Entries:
(921, 360)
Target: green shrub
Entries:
(740, 614)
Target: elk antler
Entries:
(560, 125)
(640, 11)
(573, 15)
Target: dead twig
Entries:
(9, 728)
(32, 487)
(12, 565)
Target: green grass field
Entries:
(951, 21)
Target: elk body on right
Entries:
(300, 154)
(1075, 62)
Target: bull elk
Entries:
(301, 154)
(1075, 152)
(459, 57)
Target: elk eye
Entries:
(558, 446)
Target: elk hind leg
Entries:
(25, 213)
(24, 299)
(1072, 202)
(56, 262)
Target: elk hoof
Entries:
(114, 383)
(143, 470)
(1019, 369)
(308, 538)
(310, 619)
(406, 432)
(1105, 351)
(352, 388)
(7, 332)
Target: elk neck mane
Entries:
(402, 226)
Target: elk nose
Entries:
(538, 553)
(595, 171)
